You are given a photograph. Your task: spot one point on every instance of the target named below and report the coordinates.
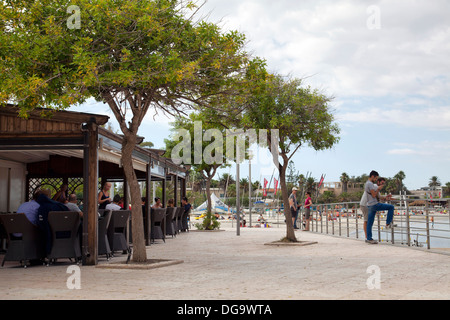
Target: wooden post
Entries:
(148, 204)
(164, 185)
(175, 189)
(183, 187)
(90, 220)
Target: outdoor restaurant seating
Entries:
(117, 231)
(26, 243)
(170, 225)
(65, 227)
(29, 245)
(158, 224)
(103, 243)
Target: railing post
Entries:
(448, 210)
(428, 224)
(317, 216)
(392, 229)
(408, 228)
(321, 218)
(348, 230)
(340, 214)
(332, 224)
(379, 227)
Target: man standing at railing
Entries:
(363, 205)
(373, 190)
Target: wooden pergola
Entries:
(73, 147)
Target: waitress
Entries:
(103, 197)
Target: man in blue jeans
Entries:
(373, 205)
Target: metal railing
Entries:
(416, 226)
(413, 226)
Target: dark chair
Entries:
(158, 224)
(29, 246)
(103, 243)
(101, 212)
(117, 230)
(3, 236)
(184, 220)
(65, 227)
(178, 223)
(170, 225)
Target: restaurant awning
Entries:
(66, 144)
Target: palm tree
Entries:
(447, 188)
(434, 182)
(391, 185)
(399, 177)
(225, 181)
(345, 179)
(310, 185)
(243, 183)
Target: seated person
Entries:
(185, 203)
(114, 206)
(171, 203)
(157, 204)
(144, 204)
(47, 205)
(72, 204)
(30, 208)
(60, 196)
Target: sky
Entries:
(386, 63)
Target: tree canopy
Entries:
(134, 56)
(301, 116)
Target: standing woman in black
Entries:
(103, 197)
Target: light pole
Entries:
(238, 206)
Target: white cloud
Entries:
(426, 150)
(433, 118)
(406, 152)
(330, 40)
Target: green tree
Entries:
(302, 117)
(292, 176)
(212, 155)
(345, 179)
(447, 189)
(399, 177)
(434, 182)
(147, 144)
(135, 56)
(328, 197)
(225, 181)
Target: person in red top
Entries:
(308, 204)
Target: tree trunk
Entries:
(137, 221)
(208, 194)
(290, 233)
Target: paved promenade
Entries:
(223, 266)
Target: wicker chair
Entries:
(30, 245)
(65, 227)
(103, 243)
(170, 224)
(158, 224)
(117, 231)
